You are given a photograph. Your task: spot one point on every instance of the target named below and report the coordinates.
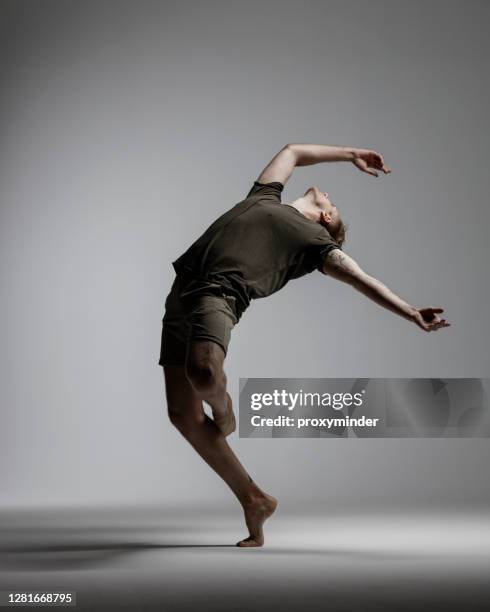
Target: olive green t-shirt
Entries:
(255, 248)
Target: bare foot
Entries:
(226, 422)
(256, 513)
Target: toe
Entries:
(249, 542)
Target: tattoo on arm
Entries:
(342, 267)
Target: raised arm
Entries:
(342, 267)
(290, 156)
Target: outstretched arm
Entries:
(283, 163)
(342, 267)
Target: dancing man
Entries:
(250, 252)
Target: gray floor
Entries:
(161, 559)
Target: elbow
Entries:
(293, 148)
(291, 151)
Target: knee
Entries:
(185, 422)
(204, 379)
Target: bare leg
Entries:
(187, 414)
(204, 369)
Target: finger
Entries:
(371, 170)
(442, 324)
(380, 160)
(379, 163)
(361, 164)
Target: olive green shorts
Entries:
(203, 313)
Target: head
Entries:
(329, 215)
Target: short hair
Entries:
(339, 233)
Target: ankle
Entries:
(253, 495)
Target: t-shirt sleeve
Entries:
(268, 191)
(321, 245)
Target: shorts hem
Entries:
(210, 339)
(168, 363)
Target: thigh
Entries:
(174, 329)
(210, 322)
(204, 356)
(196, 327)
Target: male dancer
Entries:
(250, 252)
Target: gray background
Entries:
(126, 128)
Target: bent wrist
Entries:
(412, 313)
(349, 153)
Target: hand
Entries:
(428, 319)
(369, 161)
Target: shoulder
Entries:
(272, 190)
(322, 236)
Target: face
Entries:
(331, 214)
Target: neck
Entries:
(306, 207)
